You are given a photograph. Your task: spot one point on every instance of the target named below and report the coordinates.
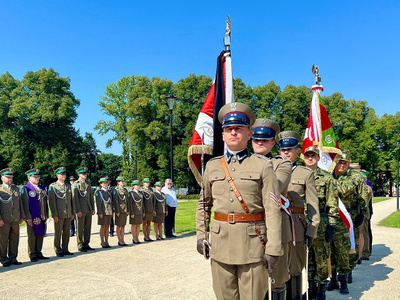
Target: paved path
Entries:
(172, 269)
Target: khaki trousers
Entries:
(35, 243)
(84, 229)
(9, 240)
(297, 258)
(61, 235)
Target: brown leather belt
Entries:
(235, 218)
(297, 210)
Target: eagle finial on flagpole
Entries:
(315, 71)
(227, 38)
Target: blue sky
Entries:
(95, 43)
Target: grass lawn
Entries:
(379, 199)
(185, 217)
(392, 221)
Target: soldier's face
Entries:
(34, 179)
(311, 159)
(82, 176)
(341, 167)
(158, 188)
(136, 187)
(236, 137)
(290, 153)
(61, 177)
(146, 184)
(262, 147)
(104, 184)
(7, 179)
(121, 183)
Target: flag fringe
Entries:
(196, 149)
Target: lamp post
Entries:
(135, 145)
(171, 102)
(397, 165)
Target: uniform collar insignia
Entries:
(240, 155)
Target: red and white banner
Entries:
(208, 125)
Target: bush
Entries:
(188, 197)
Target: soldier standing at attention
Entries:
(353, 193)
(366, 225)
(60, 201)
(264, 132)
(136, 210)
(34, 200)
(11, 215)
(329, 215)
(83, 203)
(104, 206)
(72, 180)
(303, 198)
(120, 202)
(160, 210)
(246, 203)
(148, 202)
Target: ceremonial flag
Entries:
(319, 133)
(208, 125)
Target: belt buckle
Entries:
(231, 218)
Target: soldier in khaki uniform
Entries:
(329, 215)
(160, 210)
(304, 207)
(104, 206)
(136, 210)
(60, 201)
(83, 204)
(34, 201)
(239, 261)
(120, 202)
(264, 132)
(11, 215)
(148, 202)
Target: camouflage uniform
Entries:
(329, 214)
(353, 192)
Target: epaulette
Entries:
(259, 156)
(307, 168)
(216, 157)
(279, 157)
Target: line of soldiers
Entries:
(32, 203)
(270, 210)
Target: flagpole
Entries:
(227, 37)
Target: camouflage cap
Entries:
(265, 129)
(236, 114)
(312, 149)
(288, 139)
(7, 172)
(32, 172)
(345, 155)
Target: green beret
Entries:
(312, 149)
(146, 180)
(32, 172)
(81, 170)
(236, 114)
(135, 182)
(7, 172)
(158, 183)
(60, 170)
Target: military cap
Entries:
(236, 114)
(81, 170)
(146, 180)
(72, 178)
(120, 178)
(312, 149)
(32, 172)
(288, 139)
(265, 129)
(345, 156)
(60, 170)
(158, 183)
(104, 179)
(135, 182)
(7, 172)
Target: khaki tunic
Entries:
(136, 208)
(148, 202)
(82, 197)
(11, 212)
(120, 203)
(104, 206)
(159, 207)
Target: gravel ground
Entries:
(171, 269)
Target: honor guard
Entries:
(329, 215)
(11, 215)
(263, 140)
(366, 225)
(72, 180)
(60, 202)
(353, 194)
(120, 203)
(104, 206)
(246, 231)
(136, 210)
(303, 199)
(160, 210)
(34, 199)
(83, 204)
(148, 202)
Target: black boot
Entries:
(289, 289)
(312, 290)
(350, 277)
(343, 284)
(321, 292)
(278, 296)
(295, 287)
(333, 284)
